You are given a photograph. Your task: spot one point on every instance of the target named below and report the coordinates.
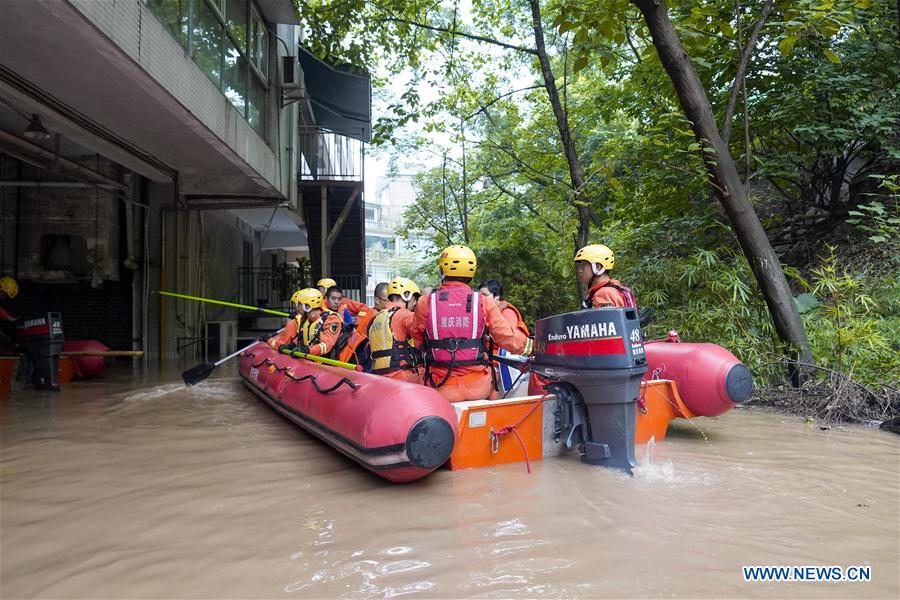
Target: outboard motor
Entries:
(42, 336)
(596, 361)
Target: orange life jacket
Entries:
(521, 326)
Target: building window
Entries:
(235, 78)
(259, 45)
(236, 14)
(173, 14)
(207, 42)
(230, 44)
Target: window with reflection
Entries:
(207, 42)
(230, 43)
(173, 14)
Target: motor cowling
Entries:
(42, 337)
(596, 361)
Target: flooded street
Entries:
(114, 489)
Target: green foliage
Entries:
(292, 276)
(823, 115)
(880, 222)
(853, 329)
(853, 321)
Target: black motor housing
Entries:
(600, 353)
(42, 336)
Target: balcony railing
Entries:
(330, 156)
(266, 287)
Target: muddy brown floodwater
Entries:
(136, 487)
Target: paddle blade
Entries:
(195, 375)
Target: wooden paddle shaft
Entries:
(104, 353)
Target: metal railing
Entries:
(265, 287)
(259, 286)
(330, 156)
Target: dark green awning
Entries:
(341, 96)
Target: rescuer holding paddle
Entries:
(452, 321)
(390, 334)
(317, 329)
(289, 331)
(593, 264)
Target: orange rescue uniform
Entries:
(355, 308)
(328, 334)
(305, 330)
(512, 316)
(471, 382)
(359, 335)
(605, 295)
(287, 335)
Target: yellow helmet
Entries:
(9, 285)
(308, 299)
(458, 261)
(597, 254)
(326, 282)
(403, 287)
(295, 298)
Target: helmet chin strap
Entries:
(598, 271)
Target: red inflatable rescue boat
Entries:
(709, 378)
(86, 367)
(401, 431)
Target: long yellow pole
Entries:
(319, 359)
(267, 311)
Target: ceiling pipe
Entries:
(64, 163)
(55, 184)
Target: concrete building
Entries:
(183, 145)
(388, 253)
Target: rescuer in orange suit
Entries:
(318, 329)
(334, 298)
(593, 264)
(361, 331)
(451, 323)
(393, 351)
(289, 331)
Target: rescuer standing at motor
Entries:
(318, 329)
(9, 289)
(593, 264)
(452, 321)
(390, 334)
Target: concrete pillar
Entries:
(326, 252)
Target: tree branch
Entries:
(454, 31)
(524, 203)
(742, 69)
(484, 107)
